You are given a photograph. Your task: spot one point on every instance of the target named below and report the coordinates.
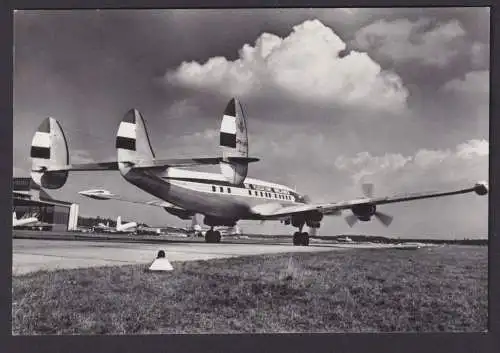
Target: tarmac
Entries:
(31, 254)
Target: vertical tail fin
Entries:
(234, 142)
(49, 150)
(132, 140)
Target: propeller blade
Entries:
(367, 189)
(351, 220)
(385, 219)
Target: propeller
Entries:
(385, 219)
(368, 191)
(351, 220)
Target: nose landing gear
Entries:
(300, 238)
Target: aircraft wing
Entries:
(276, 211)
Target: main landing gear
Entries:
(300, 238)
(212, 236)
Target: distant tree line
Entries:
(93, 221)
(384, 240)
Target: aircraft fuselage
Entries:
(210, 194)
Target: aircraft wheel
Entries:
(217, 237)
(305, 239)
(297, 238)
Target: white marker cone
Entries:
(161, 263)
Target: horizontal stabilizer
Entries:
(187, 162)
(80, 167)
(242, 160)
(149, 164)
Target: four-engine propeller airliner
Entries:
(223, 198)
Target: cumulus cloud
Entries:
(305, 65)
(364, 164)
(184, 109)
(480, 55)
(466, 163)
(473, 83)
(80, 156)
(403, 40)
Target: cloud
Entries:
(474, 83)
(466, 163)
(307, 65)
(184, 109)
(480, 55)
(80, 156)
(403, 40)
(364, 164)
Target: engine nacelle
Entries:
(50, 180)
(364, 212)
(481, 188)
(182, 214)
(312, 219)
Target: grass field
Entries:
(431, 289)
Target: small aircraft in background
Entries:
(129, 227)
(29, 222)
(23, 221)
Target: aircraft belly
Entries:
(191, 197)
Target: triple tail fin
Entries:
(234, 143)
(49, 151)
(132, 139)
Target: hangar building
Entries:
(29, 199)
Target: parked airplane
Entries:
(130, 227)
(223, 198)
(23, 222)
(149, 230)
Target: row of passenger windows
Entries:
(256, 193)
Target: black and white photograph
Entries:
(228, 171)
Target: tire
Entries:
(305, 239)
(297, 238)
(209, 237)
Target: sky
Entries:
(333, 98)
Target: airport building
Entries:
(30, 200)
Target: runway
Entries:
(31, 255)
(34, 254)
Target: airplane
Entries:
(143, 230)
(345, 239)
(23, 222)
(130, 227)
(223, 198)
